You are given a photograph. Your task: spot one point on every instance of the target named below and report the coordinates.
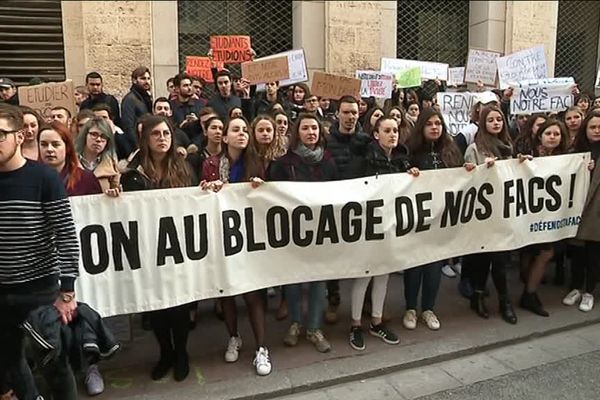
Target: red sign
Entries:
(231, 49)
(200, 67)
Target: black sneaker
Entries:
(357, 341)
(384, 334)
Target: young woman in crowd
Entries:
(232, 166)
(306, 160)
(492, 142)
(551, 139)
(412, 112)
(364, 105)
(431, 147)
(158, 166)
(58, 151)
(213, 137)
(586, 257)
(371, 118)
(96, 149)
(296, 102)
(282, 122)
(584, 102)
(404, 128)
(524, 142)
(382, 156)
(596, 103)
(573, 118)
(236, 112)
(32, 122)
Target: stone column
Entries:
(165, 44)
(308, 19)
(487, 21)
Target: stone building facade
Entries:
(337, 36)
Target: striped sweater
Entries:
(38, 242)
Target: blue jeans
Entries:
(426, 276)
(316, 303)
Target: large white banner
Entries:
(155, 249)
(542, 95)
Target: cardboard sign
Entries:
(525, 64)
(456, 76)
(42, 98)
(456, 109)
(297, 68)
(231, 49)
(481, 66)
(409, 78)
(266, 70)
(334, 86)
(200, 67)
(429, 70)
(376, 84)
(542, 95)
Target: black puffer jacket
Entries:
(370, 159)
(342, 148)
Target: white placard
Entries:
(481, 66)
(297, 66)
(429, 70)
(456, 76)
(542, 95)
(456, 109)
(156, 249)
(376, 84)
(522, 65)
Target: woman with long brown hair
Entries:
(158, 166)
(32, 122)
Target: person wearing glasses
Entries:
(96, 150)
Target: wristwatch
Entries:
(67, 297)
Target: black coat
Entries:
(107, 99)
(370, 159)
(291, 167)
(135, 104)
(340, 145)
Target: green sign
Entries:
(409, 78)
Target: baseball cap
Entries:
(6, 83)
(486, 97)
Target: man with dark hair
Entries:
(136, 103)
(39, 256)
(162, 106)
(224, 100)
(186, 109)
(170, 87)
(344, 135)
(8, 92)
(61, 115)
(94, 84)
(198, 85)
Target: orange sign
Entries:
(200, 67)
(231, 49)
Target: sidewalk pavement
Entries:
(302, 368)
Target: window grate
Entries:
(577, 41)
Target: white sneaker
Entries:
(573, 297)
(410, 319)
(431, 320)
(262, 362)
(448, 271)
(457, 268)
(233, 349)
(587, 302)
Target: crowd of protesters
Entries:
(241, 135)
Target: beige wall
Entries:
(530, 23)
(110, 37)
(487, 21)
(358, 34)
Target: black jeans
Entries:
(426, 276)
(15, 374)
(585, 266)
(171, 327)
(479, 270)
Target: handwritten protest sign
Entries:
(481, 66)
(266, 70)
(376, 84)
(297, 68)
(200, 67)
(409, 78)
(542, 95)
(525, 64)
(456, 109)
(429, 70)
(456, 76)
(334, 86)
(42, 98)
(231, 49)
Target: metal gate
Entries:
(269, 24)
(433, 30)
(31, 40)
(577, 41)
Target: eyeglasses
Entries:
(4, 134)
(97, 135)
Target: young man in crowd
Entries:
(8, 92)
(136, 103)
(61, 115)
(185, 108)
(198, 89)
(39, 256)
(94, 84)
(224, 100)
